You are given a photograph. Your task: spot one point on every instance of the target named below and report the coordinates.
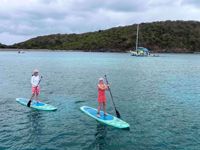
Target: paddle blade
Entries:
(29, 103)
(117, 113)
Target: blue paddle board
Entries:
(36, 105)
(108, 119)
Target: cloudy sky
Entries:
(23, 19)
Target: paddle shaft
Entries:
(117, 112)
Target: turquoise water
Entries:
(157, 96)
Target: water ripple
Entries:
(158, 97)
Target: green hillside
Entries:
(167, 36)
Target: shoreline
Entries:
(48, 50)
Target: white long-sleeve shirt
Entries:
(35, 80)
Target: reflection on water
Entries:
(99, 142)
(35, 129)
(100, 137)
(76, 102)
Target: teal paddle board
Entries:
(108, 119)
(35, 104)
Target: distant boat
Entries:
(139, 51)
(20, 52)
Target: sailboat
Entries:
(139, 51)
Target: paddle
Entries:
(29, 102)
(116, 111)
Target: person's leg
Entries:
(99, 108)
(37, 94)
(36, 97)
(32, 97)
(104, 108)
(33, 93)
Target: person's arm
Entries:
(107, 86)
(99, 87)
(102, 87)
(32, 81)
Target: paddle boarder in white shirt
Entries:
(35, 79)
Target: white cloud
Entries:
(23, 19)
(10, 39)
(195, 3)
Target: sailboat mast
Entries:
(136, 45)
